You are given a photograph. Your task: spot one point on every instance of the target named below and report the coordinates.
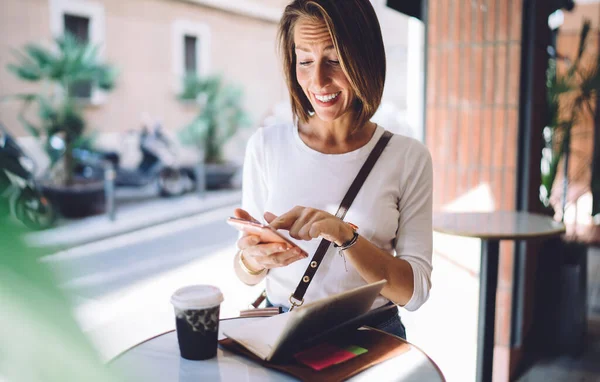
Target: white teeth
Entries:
(328, 97)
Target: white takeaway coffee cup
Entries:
(197, 309)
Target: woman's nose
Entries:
(321, 76)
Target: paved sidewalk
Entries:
(136, 209)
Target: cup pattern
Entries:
(201, 320)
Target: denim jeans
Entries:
(393, 325)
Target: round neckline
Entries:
(358, 153)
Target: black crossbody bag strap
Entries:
(297, 298)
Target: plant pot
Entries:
(82, 199)
(561, 298)
(219, 175)
(572, 301)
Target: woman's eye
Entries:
(304, 63)
(334, 62)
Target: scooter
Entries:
(20, 196)
(88, 163)
(158, 164)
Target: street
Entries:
(120, 287)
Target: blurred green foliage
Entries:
(60, 70)
(39, 338)
(571, 97)
(221, 115)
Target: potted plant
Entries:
(571, 98)
(60, 115)
(220, 116)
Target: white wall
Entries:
(402, 104)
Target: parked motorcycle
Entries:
(88, 163)
(20, 196)
(158, 164)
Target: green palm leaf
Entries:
(220, 116)
(71, 64)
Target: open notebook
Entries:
(278, 337)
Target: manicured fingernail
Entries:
(282, 248)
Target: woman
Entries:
(295, 176)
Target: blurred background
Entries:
(123, 126)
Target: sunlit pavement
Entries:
(121, 287)
(136, 210)
(445, 327)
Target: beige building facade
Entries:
(145, 41)
(149, 41)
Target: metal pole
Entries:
(518, 294)
(565, 182)
(109, 190)
(488, 282)
(200, 174)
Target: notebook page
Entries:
(259, 336)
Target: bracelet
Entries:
(347, 244)
(248, 270)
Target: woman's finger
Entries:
(269, 216)
(281, 259)
(314, 225)
(304, 231)
(285, 221)
(296, 227)
(243, 214)
(316, 229)
(264, 250)
(248, 240)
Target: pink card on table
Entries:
(324, 355)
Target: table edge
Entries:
(435, 365)
(552, 233)
(113, 359)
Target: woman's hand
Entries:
(258, 256)
(306, 223)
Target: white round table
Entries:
(157, 360)
(491, 227)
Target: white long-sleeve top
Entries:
(393, 209)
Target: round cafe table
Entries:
(157, 360)
(491, 227)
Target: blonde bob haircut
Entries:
(356, 36)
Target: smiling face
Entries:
(319, 73)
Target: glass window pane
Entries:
(190, 54)
(79, 27)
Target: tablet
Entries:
(277, 338)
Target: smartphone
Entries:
(266, 233)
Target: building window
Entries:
(190, 51)
(190, 54)
(79, 27)
(85, 21)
